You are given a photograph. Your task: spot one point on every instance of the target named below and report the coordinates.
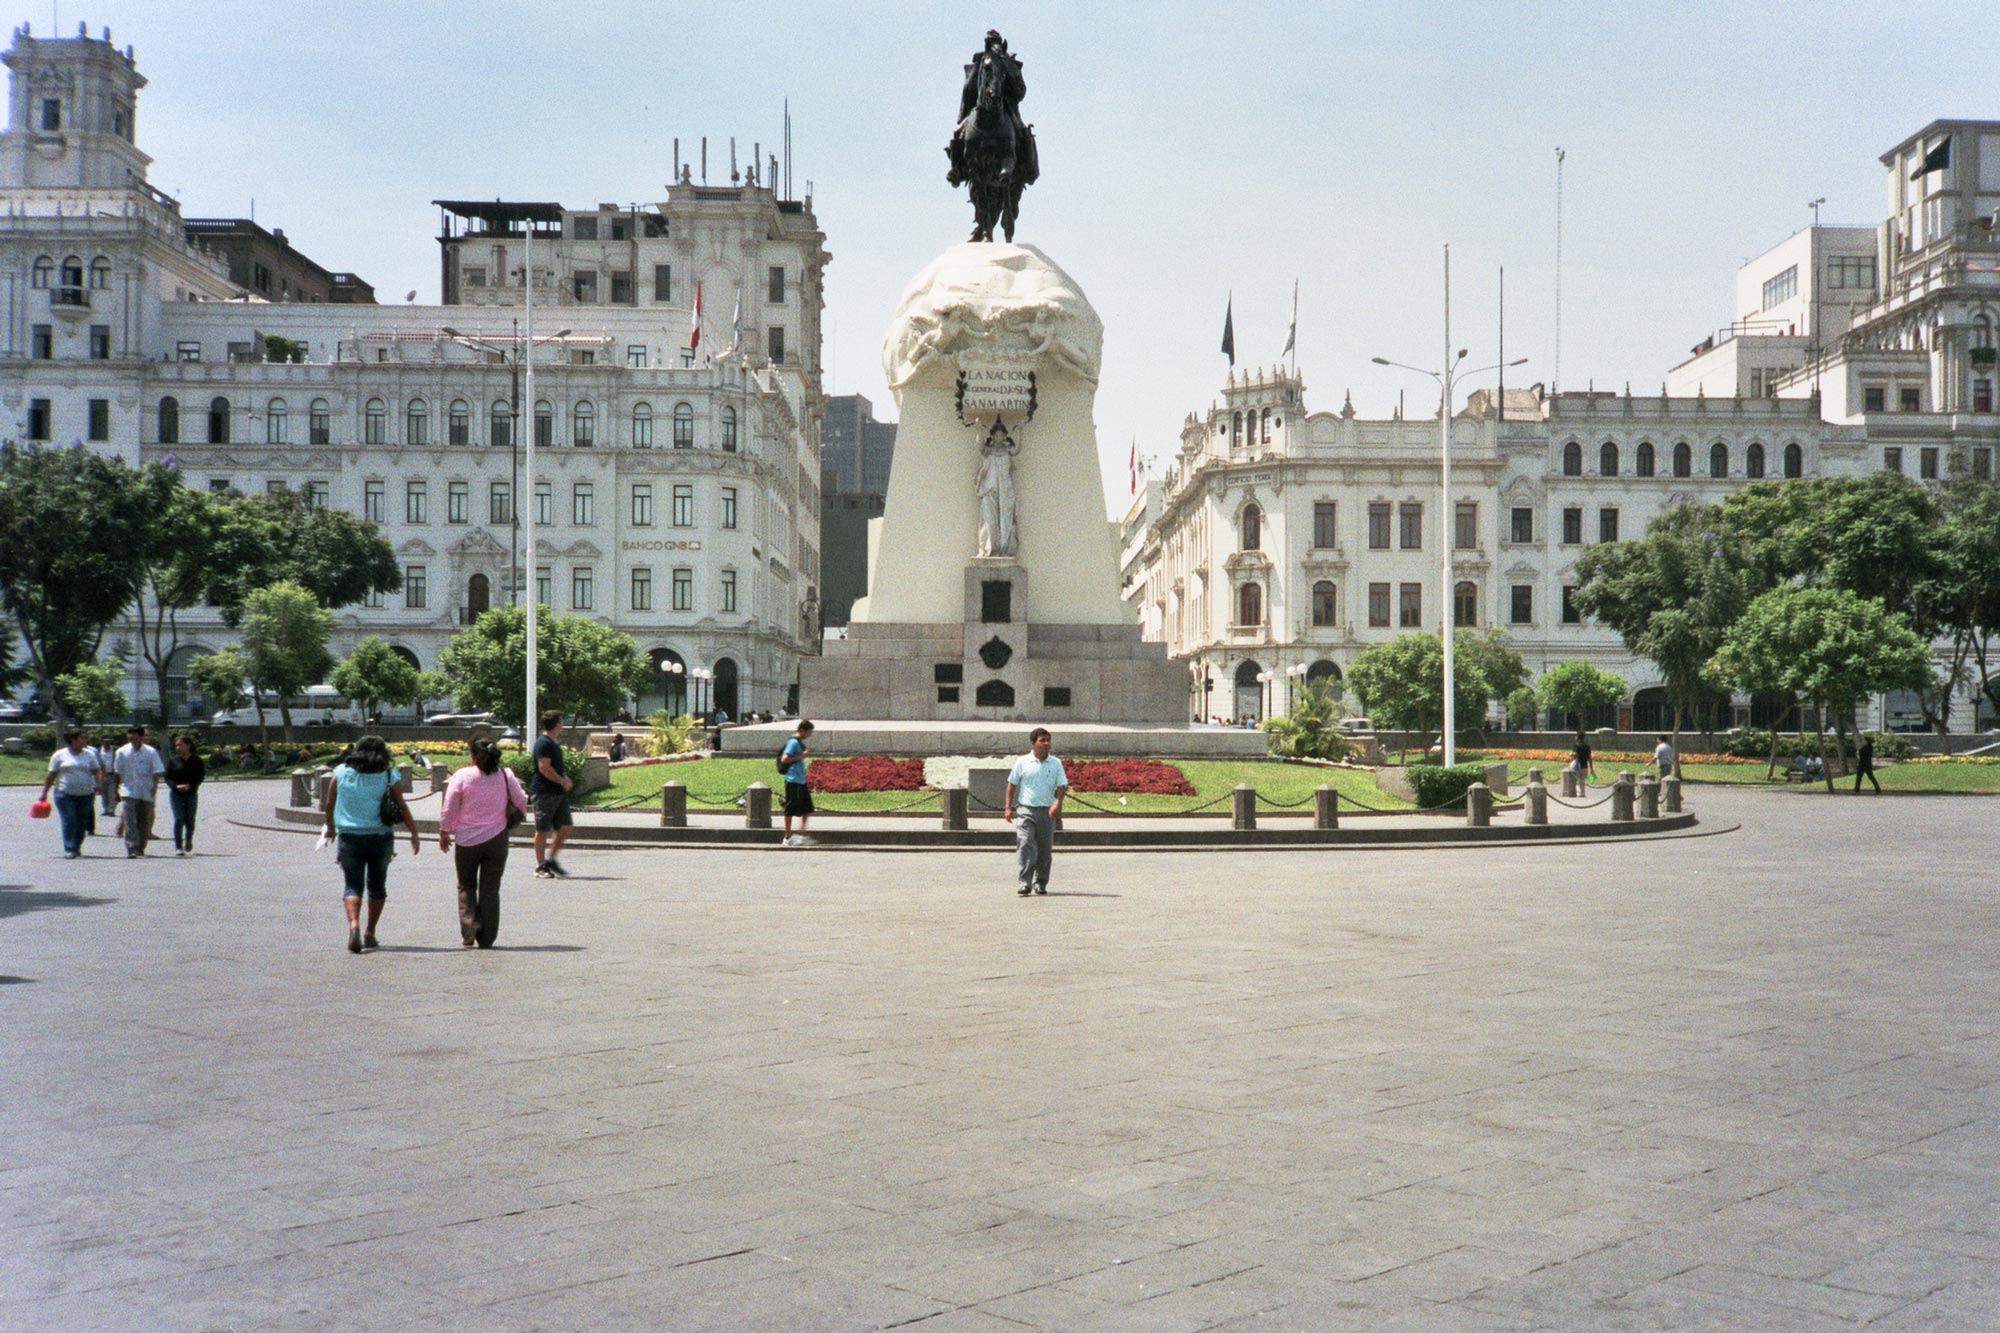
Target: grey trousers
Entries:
(138, 823)
(1034, 844)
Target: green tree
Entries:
(1960, 603)
(93, 691)
(1825, 645)
(285, 630)
(283, 350)
(220, 676)
(431, 685)
(1498, 667)
(375, 673)
(75, 541)
(185, 533)
(1522, 708)
(12, 672)
(586, 669)
(1401, 683)
(280, 538)
(1312, 731)
(1575, 688)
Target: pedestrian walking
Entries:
(139, 769)
(1582, 762)
(185, 774)
(362, 808)
(482, 803)
(76, 772)
(1664, 757)
(798, 796)
(550, 787)
(1865, 765)
(1036, 785)
(108, 790)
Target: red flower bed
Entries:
(868, 772)
(1129, 775)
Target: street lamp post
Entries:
(1446, 379)
(1264, 681)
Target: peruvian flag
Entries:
(694, 326)
(1133, 464)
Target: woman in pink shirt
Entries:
(478, 803)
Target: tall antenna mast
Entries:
(1503, 342)
(1555, 375)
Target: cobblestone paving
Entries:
(1744, 1081)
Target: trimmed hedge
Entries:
(1436, 787)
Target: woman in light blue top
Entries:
(364, 840)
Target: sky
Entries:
(1191, 155)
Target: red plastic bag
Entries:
(40, 810)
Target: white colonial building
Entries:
(676, 488)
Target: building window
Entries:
(218, 420)
(42, 342)
(545, 504)
(1982, 464)
(584, 229)
(1909, 400)
(729, 507)
(1607, 459)
(1718, 459)
(500, 502)
(642, 505)
(170, 421)
(1927, 464)
(1378, 605)
(100, 342)
(39, 419)
(500, 425)
(582, 589)
(417, 423)
(683, 500)
(1572, 459)
(51, 114)
(1465, 606)
(1795, 461)
(585, 285)
(582, 504)
(1607, 525)
(375, 601)
(1683, 460)
(1411, 536)
(1465, 526)
(100, 273)
(277, 422)
(777, 285)
(1753, 461)
(316, 494)
(1570, 616)
(545, 425)
(188, 352)
(1982, 395)
(663, 282)
(583, 425)
(1323, 603)
(375, 422)
(1848, 272)
(1523, 520)
(44, 273)
(683, 426)
(1250, 529)
(100, 419)
(1378, 527)
(416, 587)
(416, 503)
(1892, 460)
(635, 356)
(457, 502)
(1781, 288)
(1642, 459)
(319, 422)
(474, 274)
(458, 423)
(728, 430)
(683, 589)
(1521, 610)
(1323, 526)
(776, 339)
(1410, 606)
(642, 590)
(729, 590)
(1250, 604)
(374, 505)
(1873, 398)
(621, 294)
(544, 586)
(1572, 527)
(642, 425)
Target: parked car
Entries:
(1355, 726)
(461, 720)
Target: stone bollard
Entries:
(1621, 799)
(1572, 784)
(302, 787)
(1670, 794)
(1478, 805)
(1243, 807)
(406, 780)
(757, 809)
(957, 808)
(1326, 807)
(440, 775)
(1538, 798)
(673, 805)
(322, 779)
(1649, 797)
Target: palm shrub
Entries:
(1312, 731)
(670, 734)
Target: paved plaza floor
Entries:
(1742, 1081)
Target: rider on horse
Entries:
(1014, 88)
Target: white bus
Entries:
(315, 706)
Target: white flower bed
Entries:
(949, 770)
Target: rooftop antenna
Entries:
(735, 176)
(1503, 343)
(704, 159)
(788, 148)
(677, 159)
(1555, 375)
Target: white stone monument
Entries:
(993, 572)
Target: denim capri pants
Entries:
(364, 860)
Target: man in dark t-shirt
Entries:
(548, 792)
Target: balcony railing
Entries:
(74, 297)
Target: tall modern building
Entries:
(855, 453)
(676, 491)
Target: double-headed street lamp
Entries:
(1447, 379)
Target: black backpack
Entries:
(784, 764)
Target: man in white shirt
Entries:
(1663, 755)
(139, 769)
(1036, 784)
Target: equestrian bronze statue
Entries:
(993, 149)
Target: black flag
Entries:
(1937, 159)
(1229, 331)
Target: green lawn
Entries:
(716, 783)
(1947, 776)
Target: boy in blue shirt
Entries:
(1037, 784)
(798, 796)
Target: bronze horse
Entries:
(991, 154)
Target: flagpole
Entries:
(1292, 341)
(528, 722)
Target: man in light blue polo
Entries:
(1037, 785)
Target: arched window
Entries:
(545, 424)
(1266, 425)
(45, 271)
(319, 422)
(583, 425)
(500, 426)
(1718, 459)
(277, 422)
(218, 420)
(417, 423)
(1795, 461)
(642, 425)
(1642, 459)
(1607, 460)
(1235, 430)
(1683, 460)
(170, 421)
(100, 273)
(1251, 530)
(1323, 603)
(1465, 606)
(1753, 461)
(683, 426)
(72, 272)
(478, 596)
(729, 430)
(375, 422)
(458, 423)
(1250, 604)
(1572, 459)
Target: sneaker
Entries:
(542, 871)
(1042, 889)
(1024, 890)
(555, 868)
(796, 840)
